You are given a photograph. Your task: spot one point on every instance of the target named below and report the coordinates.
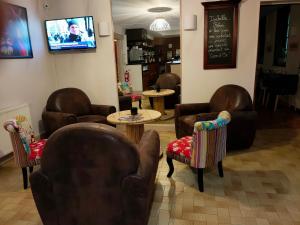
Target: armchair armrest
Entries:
(248, 115)
(149, 149)
(55, 120)
(178, 88)
(190, 109)
(42, 193)
(138, 188)
(103, 110)
(243, 125)
(207, 116)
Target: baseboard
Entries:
(6, 158)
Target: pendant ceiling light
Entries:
(159, 24)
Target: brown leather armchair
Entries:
(92, 174)
(71, 105)
(233, 98)
(168, 81)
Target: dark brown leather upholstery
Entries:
(233, 98)
(92, 174)
(169, 81)
(71, 105)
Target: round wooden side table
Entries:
(134, 124)
(158, 98)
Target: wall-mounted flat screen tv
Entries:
(70, 33)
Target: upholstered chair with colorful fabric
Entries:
(205, 149)
(27, 151)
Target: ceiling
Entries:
(133, 14)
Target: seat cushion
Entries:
(135, 97)
(36, 149)
(180, 149)
(92, 118)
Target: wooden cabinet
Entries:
(140, 49)
(136, 34)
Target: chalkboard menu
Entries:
(220, 34)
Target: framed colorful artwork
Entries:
(14, 33)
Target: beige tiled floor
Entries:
(261, 186)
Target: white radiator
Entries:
(10, 113)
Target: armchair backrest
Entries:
(168, 81)
(209, 141)
(85, 165)
(231, 98)
(20, 154)
(69, 100)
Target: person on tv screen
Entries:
(75, 34)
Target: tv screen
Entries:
(71, 33)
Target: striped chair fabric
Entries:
(207, 146)
(209, 141)
(20, 155)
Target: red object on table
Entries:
(136, 96)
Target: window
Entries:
(282, 35)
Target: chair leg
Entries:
(200, 179)
(171, 166)
(30, 169)
(220, 169)
(276, 102)
(25, 178)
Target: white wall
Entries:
(119, 29)
(198, 84)
(33, 80)
(93, 72)
(28, 80)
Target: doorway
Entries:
(277, 91)
(144, 53)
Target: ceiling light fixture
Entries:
(160, 24)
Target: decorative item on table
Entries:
(131, 117)
(157, 88)
(134, 111)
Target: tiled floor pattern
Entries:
(261, 186)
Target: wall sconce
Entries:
(103, 29)
(190, 22)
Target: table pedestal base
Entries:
(135, 132)
(159, 104)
